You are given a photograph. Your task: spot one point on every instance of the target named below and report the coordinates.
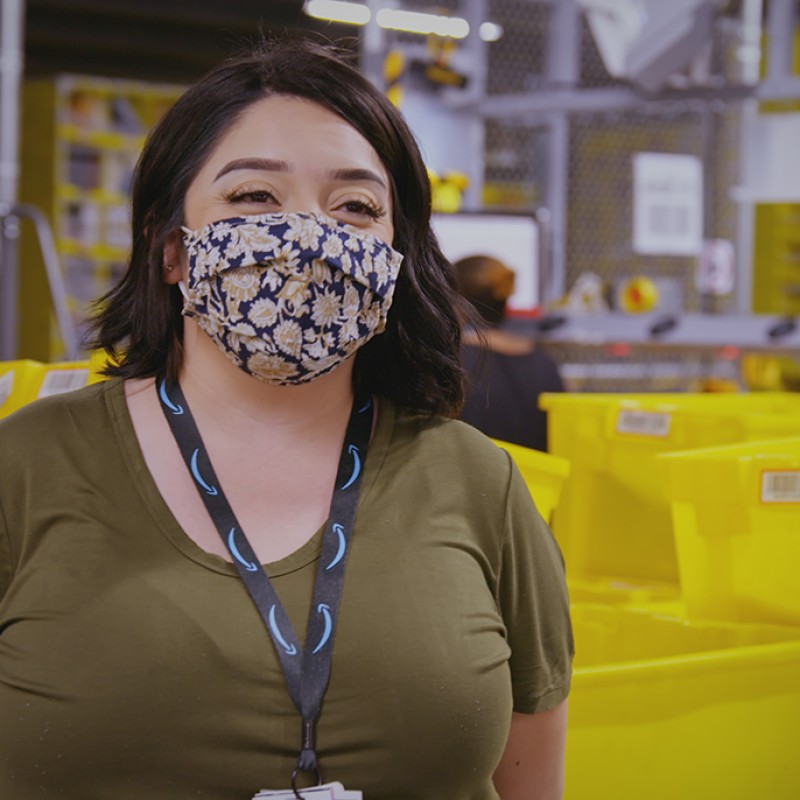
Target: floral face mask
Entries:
(287, 297)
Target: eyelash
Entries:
(371, 210)
(249, 195)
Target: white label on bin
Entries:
(6, 387)
(780, 487)
(644, 423)
(63, 380)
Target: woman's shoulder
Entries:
(449, 444)
(57, 417)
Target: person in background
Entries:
(263, 554)
(507, 371)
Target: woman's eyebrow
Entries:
(357, 175)
(267, 164)
(273, 165)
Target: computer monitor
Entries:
(511, 238)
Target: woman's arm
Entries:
(532, 766)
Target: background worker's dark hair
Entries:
(415, 362)
(486, 283)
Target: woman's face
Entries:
(291, 154)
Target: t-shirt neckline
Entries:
(145, 485)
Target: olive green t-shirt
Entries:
(133, 664)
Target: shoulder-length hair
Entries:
(415, 362)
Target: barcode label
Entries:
(669, 220)
(780, 487)
(6, 387)
(63, 380)
(644, 423)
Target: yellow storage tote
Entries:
(64, 376)
(97, 361)
(613, 519)
(19, 382)
(22, 382)
(736, 514)
(653, 595)
(662, 709)
(544, 475)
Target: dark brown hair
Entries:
(415, 362)
(486, 283)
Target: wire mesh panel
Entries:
(601, 192)
(515, 165)
(600, 178)
(517, 60)
(576, 160)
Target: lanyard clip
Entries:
(307, 760)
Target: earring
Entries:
(170, 267)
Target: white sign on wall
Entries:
(667, 204)
(512, 239)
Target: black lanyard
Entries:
(306, 670)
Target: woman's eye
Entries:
(252, 196)
(361, 208)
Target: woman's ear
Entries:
(172, 259)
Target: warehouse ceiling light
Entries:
(399, 20)
(416, 22)
(490, 31)
(338, 11)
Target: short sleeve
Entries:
(5, 555)
(9, 470)
(532, 596)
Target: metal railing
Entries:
(9, 225)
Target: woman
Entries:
(143, 651)
(507, 371)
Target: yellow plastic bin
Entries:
(736, 515)
(24, 381)
(98, 359)
(613, 519)
(19, 382)
(64, 376)
(663, 597)
(544, 475)
(663, 709)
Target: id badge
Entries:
(328, 791)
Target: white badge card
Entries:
(328, 791)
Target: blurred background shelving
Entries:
(537, 122)
(81, 137)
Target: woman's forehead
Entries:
(297, 132)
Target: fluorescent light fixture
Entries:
(399, 20)
(490, 31)
(338, 11)
(417, 22)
